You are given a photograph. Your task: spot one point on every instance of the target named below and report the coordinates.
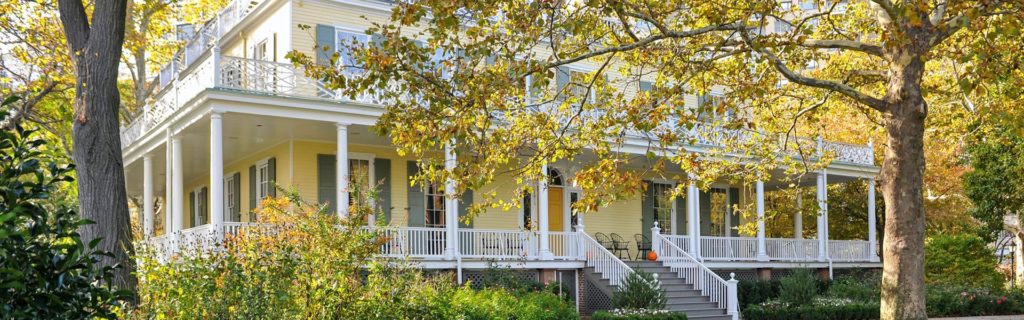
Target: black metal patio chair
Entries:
(643, 246)
(619, 245)
(604, 241)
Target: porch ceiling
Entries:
(244, 134)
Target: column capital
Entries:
(214, 113)
(342, 125)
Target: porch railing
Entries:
(414, 242)
(792, 249)
(849, 250)
(497, 244)
(728, 248)
(777, 249)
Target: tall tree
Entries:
(95, 47)
(481, 71)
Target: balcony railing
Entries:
(210, 70)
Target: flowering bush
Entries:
(819, 308)
(957, 301)
(638, 314)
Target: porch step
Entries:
(692, 313)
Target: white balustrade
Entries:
(728, 248)
(692, 271)
(849, 250)
(792, 249)
(497, 244)
(564, 245)
(419, 242)
(682, 241)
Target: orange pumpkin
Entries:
(651, 255)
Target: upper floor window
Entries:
(342, 40)
(808, 4)
(259, 50)
(711, 107)
(785, 5)
(573, 84)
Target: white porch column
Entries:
(451, 206)
(762, 252)
(147, 196)
(798, 217)
(217, 172)
(693, 218)
(178, 187)
(341, 174)
(169, 203)
(542, 205)
(872, 234)
(822, 187)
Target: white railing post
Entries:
(732, 296)
(655, 237)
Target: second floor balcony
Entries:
(211, 70)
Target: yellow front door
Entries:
(555, 209)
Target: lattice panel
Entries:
(592, 298)
(477, 277)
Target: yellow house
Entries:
(232, 117)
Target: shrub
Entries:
(816, 309)
(958, 301)
(757, 291)
(638, 314)
(46, 272)
(506, 278)
(640, 290)
(798, 288)
(961, 260)
(860, 289)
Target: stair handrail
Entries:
(721, 291)
(603, 261)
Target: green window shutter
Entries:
(253, 201)
(326, 177)
(705, 212)
(204, 201)
(382, 172)
(325, 44)
(681, 217)
(647, 209)
(236, 201)
(734, 200)
(417, 212)
(465, 202)
(272, 176)
(192, 207)
(562, 78)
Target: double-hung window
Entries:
(343, 39)
(230, 194)
(263, 185)
(663, 206)
(434, 206)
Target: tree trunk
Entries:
(902, 188)
(96, 52)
